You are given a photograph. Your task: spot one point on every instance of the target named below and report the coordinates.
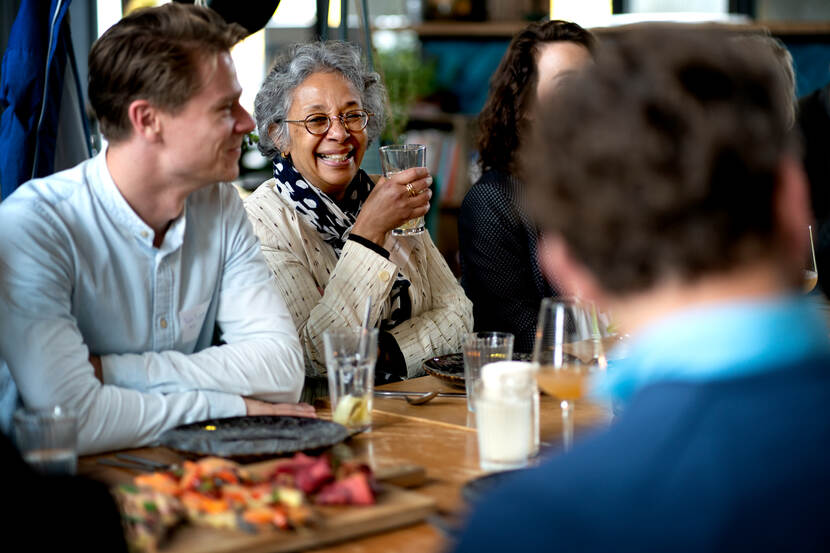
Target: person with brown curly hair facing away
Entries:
(668, 184)
(497, 243)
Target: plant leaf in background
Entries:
(407, 78)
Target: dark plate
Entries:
(473, 490)
(255, 437)
(450, 367)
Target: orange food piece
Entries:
(227, 476)
(258, 515)
(236, 494)
(261, 491)
(213, 465)
(191, 500)
(199, 502)
(158, 481)
(191, 476)
(210, 505)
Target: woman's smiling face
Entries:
(329, 161)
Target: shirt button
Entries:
(384, 276)
(163, 323)
(144, 234)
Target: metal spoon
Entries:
(418, 395)
(420, 400)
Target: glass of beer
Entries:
(397, 158)
(567, 350)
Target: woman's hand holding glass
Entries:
(394, 201)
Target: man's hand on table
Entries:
(256, 407)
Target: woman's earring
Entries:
(285, 154)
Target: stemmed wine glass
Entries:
(568, 349)
(810, 269)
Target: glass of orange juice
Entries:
(567, 350)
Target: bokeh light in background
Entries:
(249, 59)
(293, 13)
(584, 12)
(248, 56)
(334, 13)
(108, 14)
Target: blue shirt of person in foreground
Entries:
(669, 189)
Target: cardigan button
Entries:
(384, 276)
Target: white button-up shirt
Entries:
(79, 275)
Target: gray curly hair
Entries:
(293, 67)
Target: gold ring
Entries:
(411, 190)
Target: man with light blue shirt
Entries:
(115, 274)
(670, 192)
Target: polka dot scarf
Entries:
(334, 222)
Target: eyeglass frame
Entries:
(339, 117)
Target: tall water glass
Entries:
(48, 439)
(397, 158)
(351, 354)
(481, 348)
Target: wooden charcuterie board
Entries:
(396, 507)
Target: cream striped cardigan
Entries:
(323, 292)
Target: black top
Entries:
(814, 120)
(738, 464)
(500, 272)
(56, 513)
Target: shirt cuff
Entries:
(222, 405)
(369, 244)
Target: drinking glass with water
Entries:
(48, 439)
(400, 157)
(351, 354)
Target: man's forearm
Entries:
(268, 369)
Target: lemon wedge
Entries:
(352, 411)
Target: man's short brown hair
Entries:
(153, 54)
(661, 160)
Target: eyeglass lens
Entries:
(353, 120)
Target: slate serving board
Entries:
(254, 437)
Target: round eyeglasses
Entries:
(319, 124)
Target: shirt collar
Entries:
(121, 212)
(727, 340)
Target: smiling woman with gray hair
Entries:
(275, 97)
(324, 224)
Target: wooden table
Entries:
(439, 436)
